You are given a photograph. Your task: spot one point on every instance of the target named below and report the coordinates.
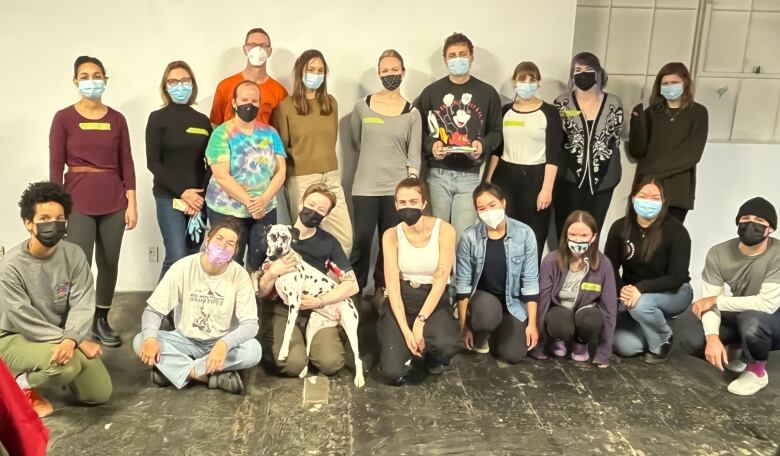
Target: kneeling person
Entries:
(48, 306)
(214, 310)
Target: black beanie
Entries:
(759, 207)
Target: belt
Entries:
(424, 286)
(89, 169)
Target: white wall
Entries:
(137, 39)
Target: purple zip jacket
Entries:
(597, 288)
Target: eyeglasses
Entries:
(175, 82)
(251, 46)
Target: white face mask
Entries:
(257, 56)
(492, 217)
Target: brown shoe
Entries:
(41, 406)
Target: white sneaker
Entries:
(748, 384)
(735, 364)
(481, 346)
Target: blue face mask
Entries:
(180, 93)
(526, 90)
(647, 209)
(672, 91)
(458, 66)
(92, 88)
(313, 81)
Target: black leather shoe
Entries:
(227, 381)
(103, 332)
(159, 379)
(662, 356)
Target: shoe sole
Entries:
(108, 343)
(747, 393)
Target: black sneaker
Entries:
(662, 356)
(159, 379)
(435, 369)
(227, 381)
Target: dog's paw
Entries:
(359, 380)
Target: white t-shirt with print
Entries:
(205, 307)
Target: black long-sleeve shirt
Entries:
(176, 139)
(456, 115)
(667, 269)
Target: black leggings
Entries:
(584, 325)
(370, 213)
(488, 315)
(440, 333)
(521, 184)
(568, 198)
(103, 233)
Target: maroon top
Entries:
(98, 143)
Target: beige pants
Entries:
(337, 222)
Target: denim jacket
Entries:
(522, 270)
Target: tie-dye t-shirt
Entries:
(252, 161)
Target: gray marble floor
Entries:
(477, 407)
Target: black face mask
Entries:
(391, 82)
(751, 233)
(410, 215)
(310, 218)
(585, 80)
(247, 112)
(50, 233)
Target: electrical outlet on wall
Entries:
(152, 254)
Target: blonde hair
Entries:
(391, 53)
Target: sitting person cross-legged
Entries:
(48, 302)
(215, 315)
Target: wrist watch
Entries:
(422, 318)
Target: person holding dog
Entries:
(322, 251)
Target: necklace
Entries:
(672, 116)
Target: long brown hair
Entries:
(565, 256)
(679, 69)
(164, 87)
(299, 90)
(653, 234)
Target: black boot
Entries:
(660, 357)
(103, 332)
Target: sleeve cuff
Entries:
(73, 335)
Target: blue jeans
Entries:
(646, 327)
(180, 354)
(173, 227)
(451, 197)
(252, 235)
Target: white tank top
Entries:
(417, 264)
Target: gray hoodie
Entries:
(46, 299)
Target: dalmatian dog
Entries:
(306, 280)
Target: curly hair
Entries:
(44, 192)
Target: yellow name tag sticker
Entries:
(514, 123)
(587, 286)
(198, 131)
(373, 120)
(571, 112)
(101, 126)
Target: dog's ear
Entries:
(267, 229)
(295, 233)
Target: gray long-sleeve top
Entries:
(46, 299)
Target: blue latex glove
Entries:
(195, 227)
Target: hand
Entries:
(91, 349)
(703, 305)
(417, 332)
(411, 344)
(477, 153)
(150, 352)
(437, 151)
(63, 352)
(283, 265)
(131, 217)
(715, 352)
(629, 294)
(311, 302)
(412, 172)
(257, 205)
(544, 199)
(638, 110)
(531, 336)
(216, 359)
(192, 198)
(467, 337)
(190, 211)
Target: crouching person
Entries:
(48, 302)
(215, 314)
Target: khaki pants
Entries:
(87, 378)
(337, 222)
